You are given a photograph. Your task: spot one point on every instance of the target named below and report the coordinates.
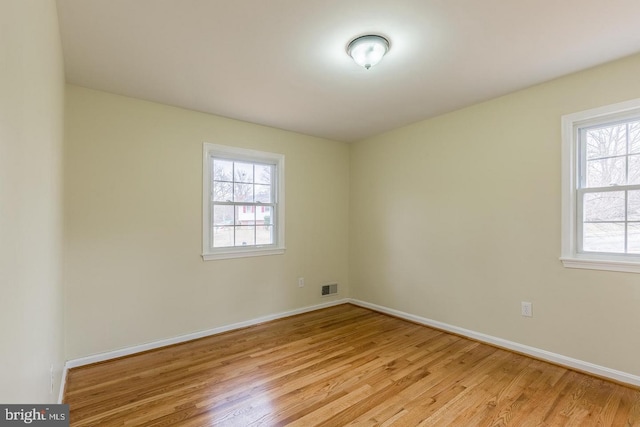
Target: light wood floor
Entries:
(341, 366)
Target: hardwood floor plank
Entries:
(344, 365)
(426, 395)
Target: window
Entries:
(601, 188)
(235, 182)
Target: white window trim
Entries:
(236, 153)
(570, 256)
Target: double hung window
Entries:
(601, 188)
(243, 201)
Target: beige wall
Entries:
(457, 219)
(133, 209)
(31, 133)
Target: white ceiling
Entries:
(282, 63)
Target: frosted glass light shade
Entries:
(367, 51)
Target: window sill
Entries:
(243, 254)
(601, 264)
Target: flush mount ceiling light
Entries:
(368, 50)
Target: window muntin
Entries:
(243, 202)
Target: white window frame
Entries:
(241, 154)
(571, 256)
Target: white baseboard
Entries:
(63, 383)
(101, 357)
(580, 365)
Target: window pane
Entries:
(263, 193)
(603, 237)
(245, 236)
(243, 193)
(606, 172)
(222, 237)
(263, 174)
(244, 172)
(606, 141)
(633, 206)
(264, 235)
(633, 238)
(634, 137)
(605, 206)
(264, 215)
(222, 215)
(222, 191)
(634, 169)
(245, 215)
(222, 170)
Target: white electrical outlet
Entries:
(527, 309)
(300, 282)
